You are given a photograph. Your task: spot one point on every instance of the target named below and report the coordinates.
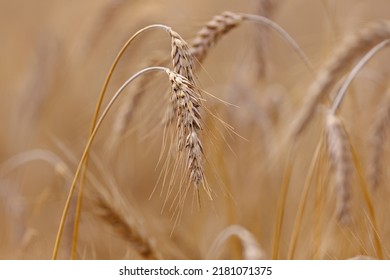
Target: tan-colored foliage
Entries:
(203, 155)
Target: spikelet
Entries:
(183, 62)
(341, 161)
(186, 102)
(212, 32)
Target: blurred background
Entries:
(54, 58)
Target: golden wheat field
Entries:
(171, 129)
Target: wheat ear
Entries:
(186, 101)
(188, 114)
(362, 62)
(84, 164)
(336, 104)
(210, 34)
(378, 137)
(219, 25)
(352, 47)
(183, 64)
(341, 161)
(127, 230)
(182, 58)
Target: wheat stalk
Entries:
(379, 128)
(126, 111)
(182, 63)
(81, 169)
(84, 163)
(219, 25)
(356, 69)
(188, 127)
(251, 249)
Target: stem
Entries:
(282, 205)
(87, 148)
(314, 168)
(321, 181)
(362, 62)
(283, 33)
(95, 116)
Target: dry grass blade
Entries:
(346, 54)
(341, 160)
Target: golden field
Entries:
(289, 176)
